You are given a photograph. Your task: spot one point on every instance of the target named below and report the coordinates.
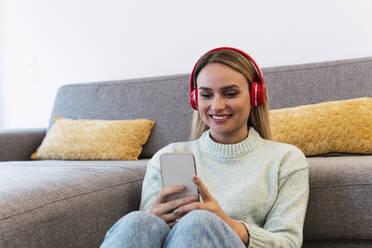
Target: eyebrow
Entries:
(223, 88)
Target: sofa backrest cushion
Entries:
(161, 99)
(295, 85)
(165, 99)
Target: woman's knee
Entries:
(200, 218)
(140, 218)
(137, 216)
(201, 228)
(135, 228)
(134, 220)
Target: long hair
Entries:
(258, 116)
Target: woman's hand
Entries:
(164, 209)
(211, 204)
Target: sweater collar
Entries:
(230, 151)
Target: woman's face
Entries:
(224, 102)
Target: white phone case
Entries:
(178, 169)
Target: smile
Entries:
(220, 117)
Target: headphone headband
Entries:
(255, 101)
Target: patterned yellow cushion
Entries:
(336, 126)
(94, 139)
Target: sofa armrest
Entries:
(19, 144)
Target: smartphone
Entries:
(178, 169)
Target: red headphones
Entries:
(258, 90)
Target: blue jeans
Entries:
(198, 228)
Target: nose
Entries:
(218, 103)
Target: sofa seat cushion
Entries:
(340, 202)
(42, 200)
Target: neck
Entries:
(229, 151)
(229, 138)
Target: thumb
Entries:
(204, 193)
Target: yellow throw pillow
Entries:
(84, 139)
(336, 126)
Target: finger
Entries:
(171, 224)
(183, 210)
(160, 209)
(171, 205)
(167, 191)
(168, 218)
(202, 188)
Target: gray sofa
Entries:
(73, 203)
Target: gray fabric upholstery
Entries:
(166, 101)
(338, 244)
(19, 144)
(294, 85)
(65, 203)
(161, 99)
(340, 201)
(73, 203)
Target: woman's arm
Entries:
(284, 221)
(210, 203)
(151, 186)
(283, 225)
(240, 230)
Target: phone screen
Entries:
(178, 169)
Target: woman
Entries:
(254, 191)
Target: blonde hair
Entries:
(258, 116)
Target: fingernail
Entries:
(181, 188)
(176, 212)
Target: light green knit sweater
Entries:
(263, 184)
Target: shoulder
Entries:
(284, 148)
(277, 149)
(289, 157)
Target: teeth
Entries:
(220, 117)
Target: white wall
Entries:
(47, 43)
(1, 67)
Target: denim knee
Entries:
(201, 228)
(136, 229)
(135, 219)
(202, 216)
(140, 216)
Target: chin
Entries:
(222, 132)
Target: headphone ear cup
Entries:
(258, 93)
(254, 94)
(193, 100)
(262, 94)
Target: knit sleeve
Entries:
(284, 222)
(151, 186)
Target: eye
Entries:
(231, 94)
(205, 95)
